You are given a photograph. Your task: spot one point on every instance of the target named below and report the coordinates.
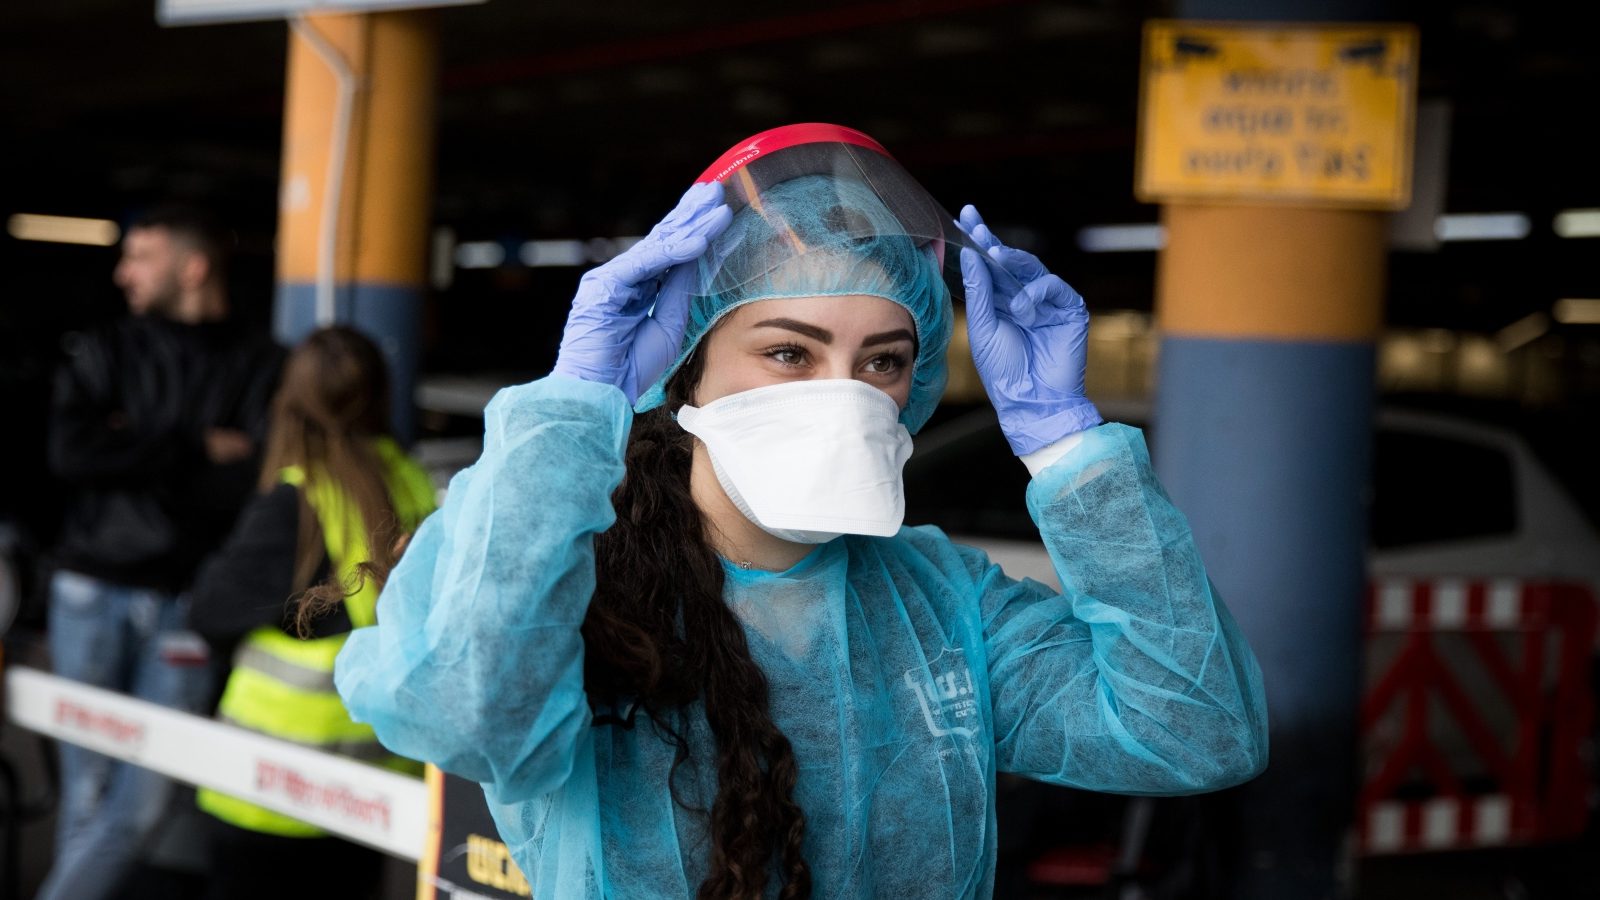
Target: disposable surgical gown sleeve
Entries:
(476, 663)
(1135, 679)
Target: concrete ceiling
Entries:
(573, 120)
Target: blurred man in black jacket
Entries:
(156, 427)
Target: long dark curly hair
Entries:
(658, 635)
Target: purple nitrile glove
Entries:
(628, 317)
(1030, 343)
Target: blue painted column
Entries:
(390, 314)
(1269, 317)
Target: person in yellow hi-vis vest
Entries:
(284, 592)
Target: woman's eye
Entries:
(788, 356)
(886, 364)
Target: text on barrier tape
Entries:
(382, 809)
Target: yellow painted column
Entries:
(357, 185)
(1272, 273)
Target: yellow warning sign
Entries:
(1318, 114)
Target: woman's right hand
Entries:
(628, 317)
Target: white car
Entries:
(1450, 498)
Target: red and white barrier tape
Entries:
(1439, 824)
(382, 809)
(1450, 604)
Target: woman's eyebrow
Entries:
(810, 331)
(888, 337)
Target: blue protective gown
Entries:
(905, 671)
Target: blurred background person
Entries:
(155, 427)
(335, 487)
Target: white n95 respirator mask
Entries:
(808, 461)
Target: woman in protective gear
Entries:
(672, 623)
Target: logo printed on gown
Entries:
(946, 694)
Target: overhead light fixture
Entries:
(552, 253)
(480, 255)
(1522, 332)
(1578, 223)
(539, 254)
(1482, 227)
(63, 229)
(1121, 238)
(1577, 312)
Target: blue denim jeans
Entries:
(122, 639)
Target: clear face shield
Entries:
(822, 210)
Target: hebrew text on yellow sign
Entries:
(1294, 113)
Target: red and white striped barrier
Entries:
(382, 809)
(1457, 604)
(1443, 823)
(1531, 783)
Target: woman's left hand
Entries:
(1029, 343)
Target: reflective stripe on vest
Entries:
(283, 686)
(304, 674)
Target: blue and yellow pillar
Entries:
(359, 128)
(1269, 308)
(1269, 317)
